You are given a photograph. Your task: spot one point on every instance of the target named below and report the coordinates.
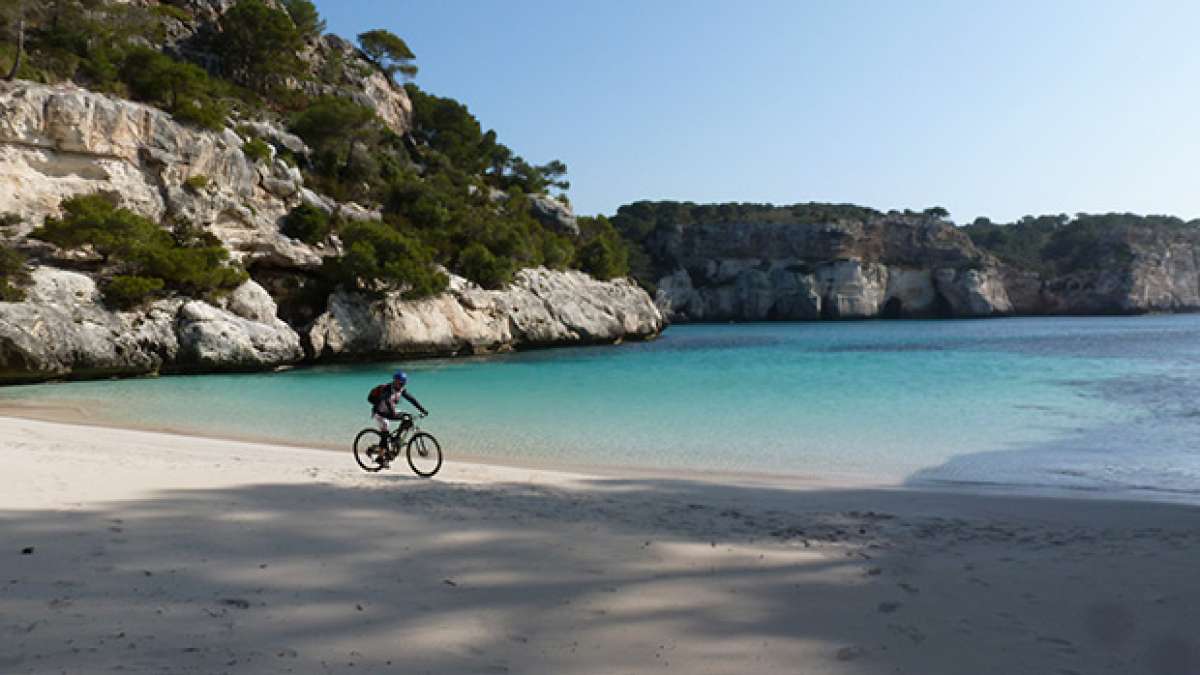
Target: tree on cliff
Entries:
(259, 46)
(13, 274)
(182, 89)
(142, 257)
(304, 14)
(14, 15)
(604, 253)
(379, 255)
(388, 52)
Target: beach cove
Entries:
(171, 552)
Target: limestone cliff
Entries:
(783, 264)
(892, 266)
(62, 331)
(59, 141)
(541, 308)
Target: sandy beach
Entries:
(136, 551)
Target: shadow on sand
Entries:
(389, 574)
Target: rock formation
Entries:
(891, 266)
(901, 265)
(541, 308)
(63, 331)
(59, 141)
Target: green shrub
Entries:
(378, 254)
(257, 150)
(331, 124)
(288, 157)
(305, 17)
(259, 46)
(307, 223)
(182, 89)
(186, 260)
(603, 258)
(9, 220)
(478, 264)
(557, 251)
(13, 275)
(126, 291)
(94, 220)
(171, 11)
(196, 183)
(604, 254)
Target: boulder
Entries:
(62, 331)
(554, 214)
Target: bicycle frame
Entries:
(397, 437)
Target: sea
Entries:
(1095, 405)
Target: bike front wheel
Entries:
(368, 444)
(424, 454)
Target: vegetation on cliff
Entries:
(641, 223)
(1059, 245)
(138, 258)
(1050, 246)
(449, 192)
(13, 274)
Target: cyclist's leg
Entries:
(381, 423)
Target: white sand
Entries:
(159, 553)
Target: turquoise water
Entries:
(1084, 403)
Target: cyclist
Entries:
(384, 410)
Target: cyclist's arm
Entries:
(409, 397)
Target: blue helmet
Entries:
(400, 376)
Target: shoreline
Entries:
(51, 411)
(628, 340)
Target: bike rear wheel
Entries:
(424, 454)
(367, 446)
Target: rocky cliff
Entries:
(59, 141)
(891, 266)
(63, 331)
(804, 262)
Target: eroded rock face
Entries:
(62, 330)
(892, 266)
(898, 265)
(335, 66)
(214, 339)
(554, 214)
(358, 79)
(59, 141)
(847, 289)
(541, 308)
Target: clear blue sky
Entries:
(987, 108)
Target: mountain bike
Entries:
(374, 450)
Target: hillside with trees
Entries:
(449, 195)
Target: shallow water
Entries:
(1106, 404)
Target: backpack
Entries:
(377, 394)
